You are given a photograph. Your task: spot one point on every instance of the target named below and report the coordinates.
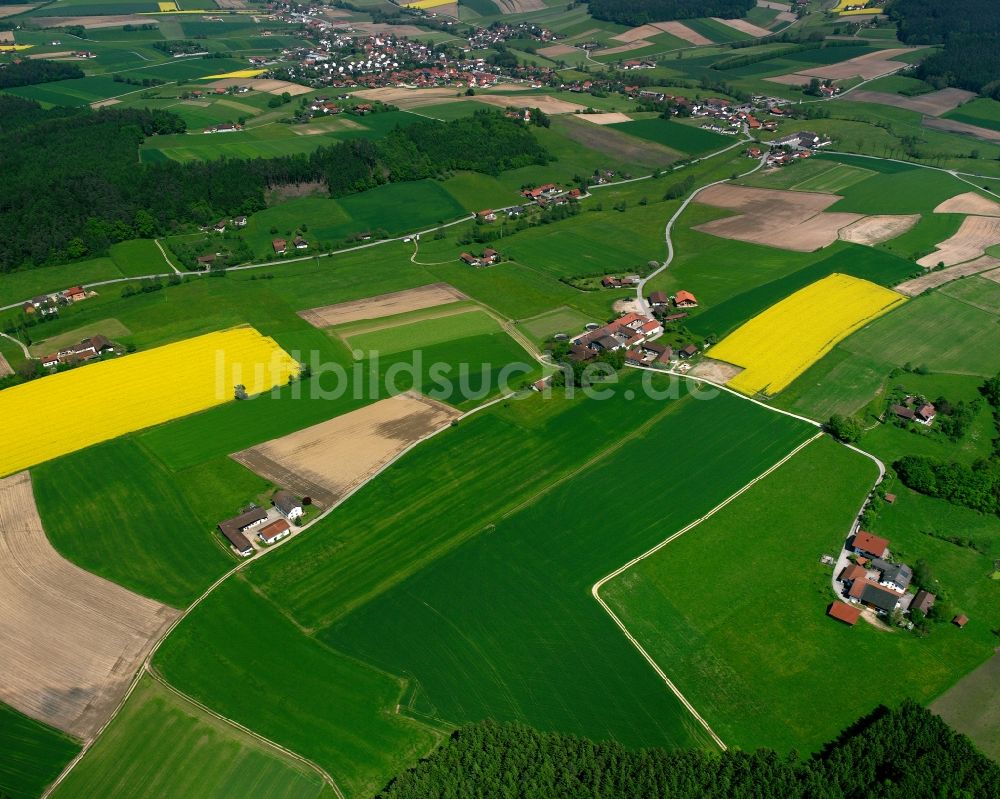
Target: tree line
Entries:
(975, 486)
(28, 73)
(968, 29)
(73, 185)
(889, 754)
(639, 12)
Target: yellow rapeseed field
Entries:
(779, 344)
(71, 410)
(428, 3)
(167, 6)
(239, 73)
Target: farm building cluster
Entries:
(915, 409)
(89, 349)
(48, 304)
(488, 257)
(873, 580)
(633, 334)
(269, 525)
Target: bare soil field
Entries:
(70, 641)
(409, 98)
(635, 34)
(6, 37)
(328, 460)
(973, 237)
(519, 6)
(682, 31)
(556, 50)
(911, 288)
(62, 55)
(5, 369)
(790, 220)
(96, 22)
(875, 229)
(614, 142)
(607, 118)
(550, 105)
(785, 16)
(972, 706)
(951, 126)
(870, 65)
(411, 31)
(933, 103)
(105, 103)
(744, 27)
(969, 203)
(638, 44)
(231, 3)
(261, 85)
(715, 371)
(396, 302)
(10, 11)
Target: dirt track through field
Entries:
(875, 229)
(70, 641)
(395, 302)
(969, 203)
(911, 288)
(328, 460)
(933, 103)
(973, 237)
(790, 220)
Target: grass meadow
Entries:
(140, 525)
(163, 747)
(753, 649)
(27, 283)
(33, 754)
(233, 648)
(685, 138)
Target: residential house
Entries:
(470, 259)
(685, 299)
(923, 601)
(288, 505)
(870, 545)
(660, 353)
(841, 611)
(487, 216)
(895, 575)
(205, 261)
(581, 353)
(687, 352)
(240, 221)
(75, 294)
(853, 572)
(960, 620)
(658, 299)
(220, 226)
(279, 246)
(880, 597)
(301, 243)
(275, 531)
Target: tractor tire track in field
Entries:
(596, 589)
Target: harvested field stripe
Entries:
(70, 641)
(395, 302)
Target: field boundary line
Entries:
(155, 675)
(596, 589)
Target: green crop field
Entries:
(425, 333)
(332, 709)
(138, 257)
(752, 648)
(163, 747)
(138, 524)
(561, 320)
(685, 138)
(982, 111)
(944, 334)
(835, 180)
(970, 707)
(74, 92)
(27, 283)
(33, 754)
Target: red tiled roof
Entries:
(870, 543)
(961, 620)
(852, 572)
(274, 529)
(843, 612)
